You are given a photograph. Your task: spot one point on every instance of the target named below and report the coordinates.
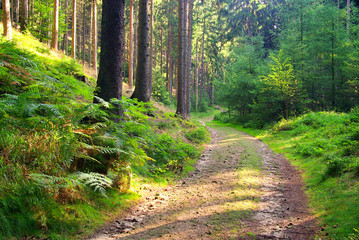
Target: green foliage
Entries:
(62, 155)
(198, 135)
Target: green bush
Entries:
(198, 135)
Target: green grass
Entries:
(325, 146)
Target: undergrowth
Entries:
(325, 145)
(65, 163)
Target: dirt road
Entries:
(239, 190)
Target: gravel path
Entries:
(240, 189)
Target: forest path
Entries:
(240, 189)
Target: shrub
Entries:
(198, 135)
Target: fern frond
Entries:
(96, 181)
(87, 157)
(109, 150)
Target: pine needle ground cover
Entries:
(325, 147)
(67, 164)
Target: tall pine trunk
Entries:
(6, 20)
(65, 42)
(24, 13)
(151, 44)
(143, 82)
(202, 64)
(130, 49)
(55, 26)
(73, 33)
(89, 60)
(94, 35)
(84, 24)
(189, 59)
(109, 82)
(180, 62)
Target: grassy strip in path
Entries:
(325, 146)
(244, 197)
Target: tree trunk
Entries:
(135, 42)
(24, 13)
(143, 82)
(65, 40)
(197, 75)
(130, 49)
(185, 53)
(109, 82)
(180, 63)
(189, 59)
(202, 64)
(94, 35)
(55, 26)
(16, 11)
(84, 24)
(6, 20)
(161, 53)
(73, 34)
(89, 60)
(151, 44)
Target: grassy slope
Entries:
(50, 130)
(325, 146)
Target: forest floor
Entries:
(239, 189)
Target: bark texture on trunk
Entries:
(151, 44)
(94, 35)
(181, 106)
(189, 59)
(55, 26)
(24, 13)
(143, 82)
(109, 82)
(202, 65)
(6, 20)
(130, 49)
(73, 32)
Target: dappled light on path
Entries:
(237, 191)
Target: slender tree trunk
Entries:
(16, 11)
(24, 13)
(197, 74)
(55, 26)
(170, 70)
(180, 62)
(73, 34)
(151, 43)
(135, 42)
(189, 58)
(84, 27)
(64, 40)
(161, 53)
(90, 38)
(171, 77)
(6, 20)
(130, 47)
(202, 64)
(143, 82)
(185, 53)
(11, 11)
(109, 82)
(94, 35)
